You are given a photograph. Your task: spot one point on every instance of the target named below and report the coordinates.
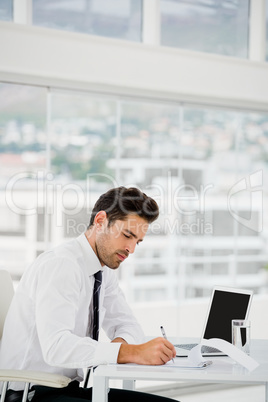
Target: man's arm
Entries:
(123, 327)
(119, 321)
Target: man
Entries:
(70, 292)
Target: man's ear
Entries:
(100, 219)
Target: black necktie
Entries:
(96, 298)
(96, 308)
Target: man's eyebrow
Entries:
(132, 234)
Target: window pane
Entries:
(251, 197)
(223, 147)
(207, 150)
(267, 30)
(83, 135)
(217, 26)
(22, 160)
(117, 19)
(149, 133)
(6, 10)
(149, 158)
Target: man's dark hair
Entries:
(121, 201)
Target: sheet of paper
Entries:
(178, 363)
(227, 348)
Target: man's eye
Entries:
(128, 237)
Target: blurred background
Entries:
(170, 96)
(167, 95)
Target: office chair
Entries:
(27, 377)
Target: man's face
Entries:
(114, 243)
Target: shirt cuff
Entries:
(128, 338)
(106, 353)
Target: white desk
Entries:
(221, 371)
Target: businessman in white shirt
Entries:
(49, 325)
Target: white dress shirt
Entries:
(48, 325)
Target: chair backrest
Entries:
(6, 295)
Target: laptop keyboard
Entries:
(204, 349)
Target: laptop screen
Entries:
(226, 306)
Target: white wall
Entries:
(72, 60)
(186, 319)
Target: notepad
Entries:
(186, 364)
(178, 363)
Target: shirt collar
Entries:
(91, 261)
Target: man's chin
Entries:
(114, 265)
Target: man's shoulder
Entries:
(67, 251)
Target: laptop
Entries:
(225, 305)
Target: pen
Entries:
(164, 336)
(205, 363)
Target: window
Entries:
(217, 26)
(117, 19)
(205, 167)
(6, 10)
(190, 159)
(23, 142)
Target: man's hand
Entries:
(155, 352)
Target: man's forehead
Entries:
(133, 223)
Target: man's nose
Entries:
(130, 247)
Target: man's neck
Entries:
(91, 238)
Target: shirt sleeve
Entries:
(58, 288)
(119, 320)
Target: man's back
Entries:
(20, 345)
